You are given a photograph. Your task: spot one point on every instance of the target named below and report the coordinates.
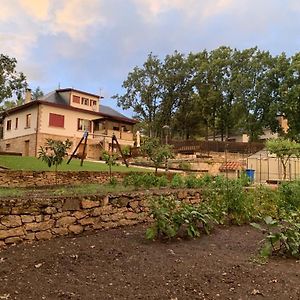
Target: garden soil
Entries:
(122, 264)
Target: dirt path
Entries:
(121, 264)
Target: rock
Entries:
(65, 221)
(71, 204)
(39, 218)
(80, 214)
(27, 218)
(30, 236)
(18, 231)
(89, 204)
(76, 229)
(11, 221)
(60, 231)
(134, 204)
(130, 215)
(61, 214)
(50, 210)
(88, 221)
(43, 235)
(39, 226)
(13, 240)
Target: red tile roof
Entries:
(231, 166)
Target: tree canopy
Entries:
(216, 92)
(12, 83)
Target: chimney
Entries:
(27, 96)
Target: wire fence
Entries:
(271, 169)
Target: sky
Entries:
(92, 45)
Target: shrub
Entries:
(283, 237)
(177, 181)
(289, 193)
(146, 180)
(184, 165)
(170, 215)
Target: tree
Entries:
(156, 152)
(54, 152)
(111, 160)
(12, 83)
(37, 93)
(283, 149)
(142, 92)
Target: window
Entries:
(28, 120)
(93, 103)
(124, 128)
(7, 146)
(84, 101)
(56, 120)
(17, 123)
(76, 99)
(8, 125)
(84, 124)
(116, 128)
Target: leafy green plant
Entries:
(54, 152)
(111, 160)
(289, 193)
(171, 215)
(283, 237)
(156, 152)
(177, 181)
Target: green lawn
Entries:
(34, 164)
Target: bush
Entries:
(184, 165)
(177, 181)
(146, 180)
(282, 237)
(289, 193)
(170, 215)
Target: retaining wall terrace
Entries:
(42, 218)
(42, 178)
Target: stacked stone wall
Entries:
(44, 178)
(23, 219)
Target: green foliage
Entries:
(146, 180)
(11, 82)
(177, 182)
(171, 215)
(54, 152)
(156, 152)
(283, 149)
(213, 92)
(111, 160)
(184, 165)
(283, 237)
(289, 193)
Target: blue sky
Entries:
(93, 44)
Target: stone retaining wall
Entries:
(41, 178)
(44, 218)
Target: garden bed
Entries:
(122, 264)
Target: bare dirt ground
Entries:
(122, 264)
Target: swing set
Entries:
(114, 141)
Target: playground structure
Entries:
(82, 155)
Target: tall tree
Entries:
(12, 83)
(142, 93)
(37, 93)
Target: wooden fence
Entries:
(190, 147)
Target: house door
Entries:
(26, 152)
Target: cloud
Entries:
(152, 9)
(38, 9)
(76, 18)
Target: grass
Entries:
(70, 190)
(28, 163)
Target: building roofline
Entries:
(75, 90)
(38, 102)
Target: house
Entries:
(64, 114)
